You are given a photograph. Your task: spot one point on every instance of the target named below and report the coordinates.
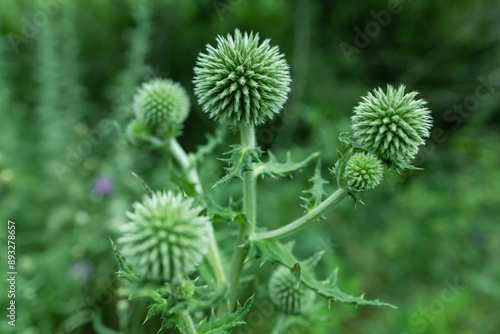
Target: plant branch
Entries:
(311, 216)
(250, 208)
(192, 175)
(187, 323)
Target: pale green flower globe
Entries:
(162, 104)
(391, 125)
(183, 290)
(364, 171)
(165, 238)
(287, 294)
(241, 80)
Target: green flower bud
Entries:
(183, 290)
(391, 125)
(286, 292)
(165, 238)
(137, 132)
(364, 171)
(241, 80)
(162, 105)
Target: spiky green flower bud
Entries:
(391, 125)
(137, 132)
(364, 171)
(165, 238)
(287, 293)
(241, 80)
(162, 104)
(183, 290)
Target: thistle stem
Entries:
(250, 208)
(187, 323)
(183, 160)
(192, 175)
(297, 224)
(280, 324)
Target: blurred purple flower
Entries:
(104, 186)
(82, 269)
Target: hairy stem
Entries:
(250, 209)
(187, 323)
(311, 216)
(213, 250)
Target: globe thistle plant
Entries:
(287, 293)
(241, 80)
(162, 104)
(364, 171)
(165, 238)
(391, 125)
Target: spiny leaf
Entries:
(171, 321)
(144, 184)
(240, 160)
(183, 182)
(278, 252)
(208, 148)
(229, 213)
(126, 270)
(228, 321)
(274, 168)
(316, 192)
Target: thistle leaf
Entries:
(273, 168)
(209, 147)
(278, 252)
(126, 270)
(171, 321)
(144, 184)
(240, 160)
(232, 212)
(227, 322)
(316, 192)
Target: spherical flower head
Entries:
(391, 125)
(165, 238)
(286, 292)
(162, 104)
(241, 80)
(183, 290)
(364, 171)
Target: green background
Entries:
(427, 241)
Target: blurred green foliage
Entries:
(67, 72)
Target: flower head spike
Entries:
(166, 238)
(162, 104)
(241, 80)
(364, 171)
(287, 293)
(392, 125)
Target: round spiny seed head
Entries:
(162, 105)
(364, 171)
(165, 238)
(241, 80)
(183, 290)
(391, 125)
(286, 292)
